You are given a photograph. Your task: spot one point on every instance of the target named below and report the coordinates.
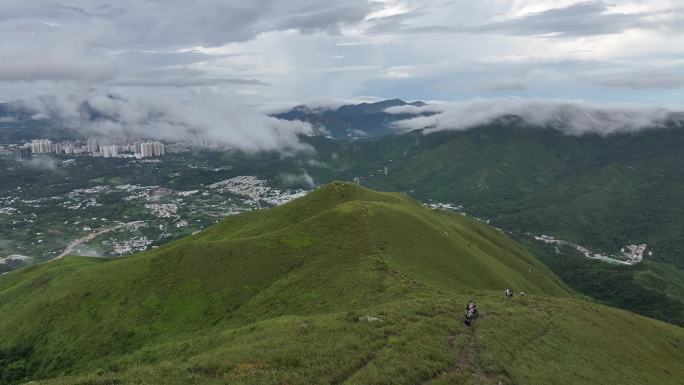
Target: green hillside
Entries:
(602, 192)
(279, 296)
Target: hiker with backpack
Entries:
(508, 293)
(470, 313)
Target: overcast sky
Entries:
(268, 51)
(181, 68)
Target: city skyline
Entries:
(139, 149)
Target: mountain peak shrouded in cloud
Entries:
(352, 120)
(570, 117)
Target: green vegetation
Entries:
(602, 192)
(279, 296)
(651, 289)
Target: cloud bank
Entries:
(570, 117)
(297, 180)
(202, 118)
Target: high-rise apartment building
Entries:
(41, 146)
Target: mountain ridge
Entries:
(262, 288)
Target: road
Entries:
(71, 246)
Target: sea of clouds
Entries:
(571, 117)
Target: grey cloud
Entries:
(313, 17)
(506, 86)
(428, 108)
(586, 18)
(92, 41)
(56, 70)
(572, 118)
(178, 77)
(581, 19)
(184, 23)
(398, 22)
(163, 59)
(644, 81)
(179, 81)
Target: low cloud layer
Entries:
(573, 118)
(205, 118)
(40, 163)
(297, 180)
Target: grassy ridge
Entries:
(249, 300)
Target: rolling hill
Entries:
(344, 286)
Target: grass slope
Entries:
(274, 297)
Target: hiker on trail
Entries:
(522, 293)
(508, 293)
(470, 305)
(470, 313)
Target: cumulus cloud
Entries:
(572, 118)
(203, 117)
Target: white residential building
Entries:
(41, 146)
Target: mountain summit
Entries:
(345, 285)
